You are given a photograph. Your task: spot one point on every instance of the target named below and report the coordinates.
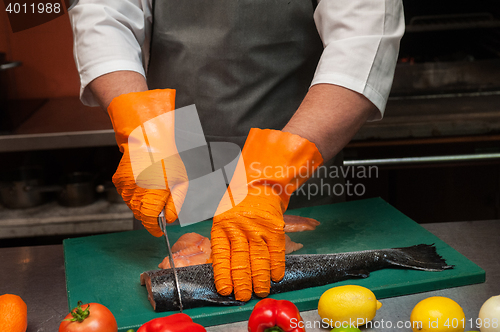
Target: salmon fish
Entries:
(192, 239)
(301, 271)
(190, 249)
(299, 224)
(193, 248)
(291, 246)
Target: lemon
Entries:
(437, 314)
(489, 315)
(348, 305)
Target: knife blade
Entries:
(162, 221)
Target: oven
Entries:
(437, 149)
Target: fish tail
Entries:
(419, 257)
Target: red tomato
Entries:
(98, 318)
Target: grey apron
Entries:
(243, 63)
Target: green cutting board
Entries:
(106, 268)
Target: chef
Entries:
(290, 81)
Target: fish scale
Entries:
(301, 271)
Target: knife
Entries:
(162, 221)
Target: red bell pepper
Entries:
(270, 315)
(173, 323)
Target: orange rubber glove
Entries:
(145, 134)
(248, 240)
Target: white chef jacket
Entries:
(360, 37)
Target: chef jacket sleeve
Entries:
(109, 36)
(361, 40)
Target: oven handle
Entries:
(9, 65)
(451, 18)
(422, 160)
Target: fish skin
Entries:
(301, 271)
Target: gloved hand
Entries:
(144, 131)
(248, 240)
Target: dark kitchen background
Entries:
(437, 151)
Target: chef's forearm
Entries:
(330, 116)
(108, 86)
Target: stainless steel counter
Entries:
(51, 219)
(37, 275)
